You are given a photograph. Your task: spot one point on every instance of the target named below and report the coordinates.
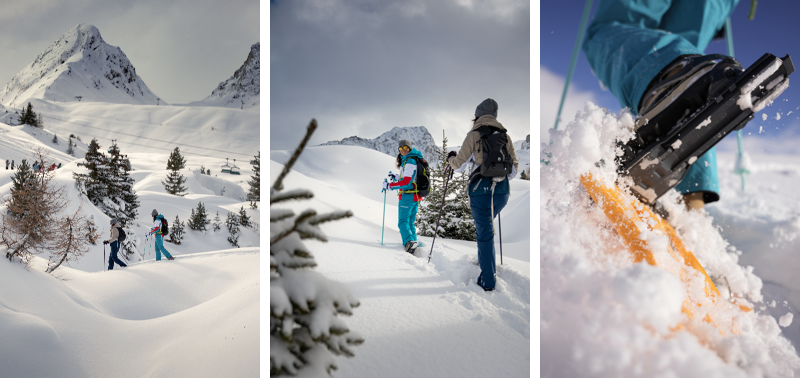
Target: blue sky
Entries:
(774, 30)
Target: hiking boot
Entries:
(170, 258)
(411, 247)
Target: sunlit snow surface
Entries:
(417, 319)
(601, 314)
(195, 316)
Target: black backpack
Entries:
(497, 161)
(423, 180)
(122, 236)
(164, 227)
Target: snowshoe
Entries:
(694, 103)
(411, 247)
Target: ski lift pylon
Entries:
(226, 168)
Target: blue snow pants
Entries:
(159, 247)
(481, 201)
(630, 41)
(407, 218)
(112, 257)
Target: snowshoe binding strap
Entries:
(674, 132)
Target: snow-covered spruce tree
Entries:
(33, 221)
(55, 138)
(70, 150)
(244, 220)
(305, 329)
(28, 117)
(216, 223)
(456, 216)
(175, 180)
(94, 185)
(121, 200)
(199, 218)
(254, 194)
(177, 231)
(233, 228)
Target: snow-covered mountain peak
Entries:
(243, 89)
(79, 66)
(387, 142)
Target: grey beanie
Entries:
(487, 107)
(113, 221)
(405, 142)
(154, 213)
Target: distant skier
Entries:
(112, 258)
(12, 164)
(6, 164)
(408, 195)
(643, 51)
(159, 237)
(488, 188)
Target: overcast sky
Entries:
(361, 67)
(182, 49)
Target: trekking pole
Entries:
(444, 194)
(104, 256)
(383, 222)
(500, 229)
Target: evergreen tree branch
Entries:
(286, 168)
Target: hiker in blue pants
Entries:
(641, 50)
(487, 195)
(406, 184)
(159, 238)
(112, 257)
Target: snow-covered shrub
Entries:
(177, 231)
(305, 330)
(199, 218)
(233, 227)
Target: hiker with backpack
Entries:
(117, 237)
(488, 156)
(160, 228)
(411, 163)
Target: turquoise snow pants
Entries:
(630, 41)
(407, 218)
(159, 247)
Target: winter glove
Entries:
(385, 186)
(451, 155)
(105, 241)
(394, 176)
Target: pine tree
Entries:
(55, 138)
(233, 228)
(22, 181)
(456, 220)
(177, 231)
(70, 150)
(28, 117)
(244, 220)
(175, 180)
(94, 185)
(120, 191)
(254, 194)
(215, 225)
(199, 218)
(296, 348)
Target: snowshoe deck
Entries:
(668, 142)
(630, 218)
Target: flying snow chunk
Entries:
(786, 320)
(764, 116)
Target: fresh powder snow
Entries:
(602, 315)
(417, 318)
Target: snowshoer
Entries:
(159, 238)
(644, 52)
(6, 164)
(52, 167)
(12, 164)
(487, 195)
(112, 258)
(406, 184)
(35, 166)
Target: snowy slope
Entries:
(604, 316)
(196, 316)
(418, 319)
(79, 63)
(243, 89)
